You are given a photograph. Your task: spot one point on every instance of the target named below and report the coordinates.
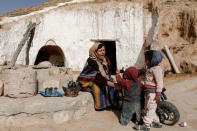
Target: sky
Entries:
(12, 5)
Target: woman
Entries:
(96, 75)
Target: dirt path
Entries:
(181, 91)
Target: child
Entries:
(152, 88)
(132, 97)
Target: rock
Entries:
(3, 60)
(38, 109)
(54, 71)
(43, 65)
(81, 112)
(1, 88)
(69, 71)
(21, 82)
(51, 83)
(177, 29)
(53, 77)
(62, 116)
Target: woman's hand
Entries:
(117, 71)
(111, 84)
(107, 77)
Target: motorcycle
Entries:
(167, 112)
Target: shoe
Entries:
(100, 109)
(144, 128)
(137, 127)
(109, 108)
(156, 125)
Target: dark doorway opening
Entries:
(110, 48)
(50, 53)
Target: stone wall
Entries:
(34, 108)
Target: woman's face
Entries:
(101, 53)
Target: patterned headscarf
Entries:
(93, 56)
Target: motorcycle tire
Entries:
(168, 113)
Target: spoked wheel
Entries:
(168, 113)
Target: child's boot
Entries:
(156, 125)
(137, 127)
(145, 128)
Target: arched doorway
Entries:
(51, 53)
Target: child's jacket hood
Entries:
(131, 73)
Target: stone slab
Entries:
(44, 109)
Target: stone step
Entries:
(39, 109)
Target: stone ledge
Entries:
(39, 109)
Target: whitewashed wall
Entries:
(73, 28)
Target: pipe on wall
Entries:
(171, 59)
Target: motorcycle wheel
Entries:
(168, 113)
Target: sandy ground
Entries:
(181, 91)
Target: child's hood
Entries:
(131, 73)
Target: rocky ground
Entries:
(175, 26)
(181, 90)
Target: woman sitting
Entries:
(96, 76)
